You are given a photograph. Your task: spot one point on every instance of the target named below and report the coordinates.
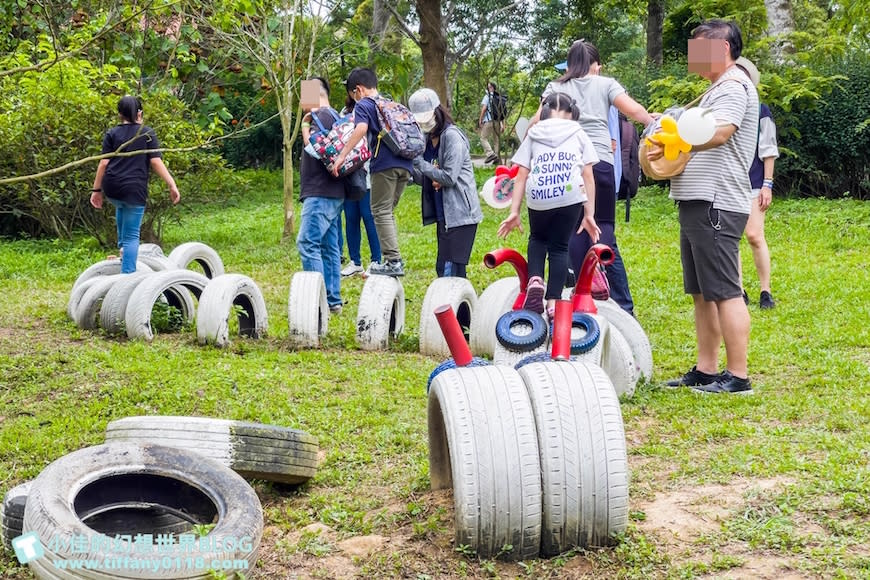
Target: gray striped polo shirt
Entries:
(721, 174)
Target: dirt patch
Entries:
(763, 568)
(682, 515)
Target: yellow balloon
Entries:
(669, 124)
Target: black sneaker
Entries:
(745, 298)
(766, 301)
(393, 268)
(692, 378)
(728, 384)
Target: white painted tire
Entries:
(216, 305)
(482, 441)
(584, 462)
(381, 312)
(78, 291)
(106, 268)
(150, 250)
(495, 300)
(633, 332)
(307, 309)
(137, 317)
(253, 450)
(158, 263)
(88, 308)
(460, 295)
(618, 362)
(114, 306)
(106, 478)
(207, 258)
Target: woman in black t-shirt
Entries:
(123, 180)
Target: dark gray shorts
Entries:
(711, 256)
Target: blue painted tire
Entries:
(590, 326)
(504, 331)
(451, 364)
(538, 357)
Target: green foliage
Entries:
(826, 149)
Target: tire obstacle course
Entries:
(559, 407)
(102, 298)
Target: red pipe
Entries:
(562, 331)
(515, 259)
(453, 335)
(582, 300)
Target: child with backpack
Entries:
(390, 171)
(555, 173)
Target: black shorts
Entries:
(710, 250)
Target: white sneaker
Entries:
(352, 269)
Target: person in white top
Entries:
(555, 175)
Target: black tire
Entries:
(12, 512)
(99, 480)
(254, 450)
(216, 305)
(585, 332)
(482, 442)
(451, 364)
(584, 462)
(534, 335)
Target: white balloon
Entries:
(696, 126)
(521, 127)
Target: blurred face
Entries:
(708, 57)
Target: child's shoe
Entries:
(535, 291)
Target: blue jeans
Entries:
(317, 242)
(128, 218)
(353, 212)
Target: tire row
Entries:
(158, 475)
(536, 457)
(102, 297)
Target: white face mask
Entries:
(427, 127)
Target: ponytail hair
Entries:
(129, 107)
(559, 102)
(579, 62)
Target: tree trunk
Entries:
(433, 45)
(655, 23)
(289, 226)
(780, 23)
(380, 20)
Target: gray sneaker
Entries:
(393, 268)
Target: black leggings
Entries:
(549, 233)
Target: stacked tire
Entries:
(381, 313)
(536, 457)
(122, 304)
(120, 490)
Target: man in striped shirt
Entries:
(714, 196)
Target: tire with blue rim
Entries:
(521, 330)
(451, 364)
(588, 337)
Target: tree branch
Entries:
(400, 20)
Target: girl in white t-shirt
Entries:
(555, 173)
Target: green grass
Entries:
(795, 456)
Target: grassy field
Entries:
(776, 485)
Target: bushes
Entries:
(825, 151)
(58, 116)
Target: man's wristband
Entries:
(97, 190)
(768, 183)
